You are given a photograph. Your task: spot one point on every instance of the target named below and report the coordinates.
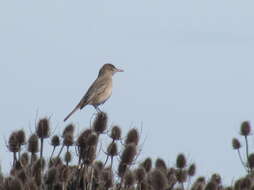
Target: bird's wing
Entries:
(98, 86)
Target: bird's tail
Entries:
(72, 112)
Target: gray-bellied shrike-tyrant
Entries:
(100, 90)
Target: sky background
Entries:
(188, 79)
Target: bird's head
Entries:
(109, 69)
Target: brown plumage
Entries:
(99, 91)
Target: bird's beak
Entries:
(119, 70)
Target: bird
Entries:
(100, 90)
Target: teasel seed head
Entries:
(245, 128)
(39, 165)
(56, 161)
(116, 133)
(13, 143)
(68, 139)
(67, 157)
(91, 155)
(100, 122)
(24, 159)
(181, 175)
(121, 169)
(42, 129)
(140, 174)
(107, 178)
(58, 186)
(129, 153)
(211, 186)
(216, 178)
(147, 164)
(161, 165)
(21, 137)
(12, 183)
(132, 137)
(236, 144)
(34, 158)
(55, 141)
(92, 139)
(246, 183)
(51, 176)
(192, 170)
(157, 179)
(129, 179)
(22, 176)
(33, 145)
(64, 174)
(251, 160)
(181, 161)
(112, 149)
(171, 176)
(69, 129)
(82, 139)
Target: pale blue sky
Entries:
(188, 71)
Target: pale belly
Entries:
(103, 97)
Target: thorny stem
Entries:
(247, 151)
(241, 159)
(60, 151)
(52, 153)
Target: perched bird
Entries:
(100, 90)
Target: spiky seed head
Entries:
(147, 164)
(245, 128)
(129, 179)
(31, 185)
(69, 129)
(64, 173)
(55, 141)
(68, 139)
(58, 186)
(171, 176)
(251, 160)
(33, 145)
(236, 144)
(201, 180)
(82, 139)
(22, 176)
(34, 158)
(100, 122)
(112, 149)
(107, 178)
(246, 183)
(55, 162)
(92, 139)
(181, 175)
(129, 153)
(132, 137)
(51, 176)
(116, 133)
(13, 143)
(67, 157)
(24, 159)
(160, 164)
(42, 129)
(216, 178)
(21, 137)
(211, 186)
(18, 166)
(98, 165)
(181, 161)
(12, 183)
(192, 170)
(158, 179)
(140, 174)
(121, 169)
(39, 165)
(91, 155)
